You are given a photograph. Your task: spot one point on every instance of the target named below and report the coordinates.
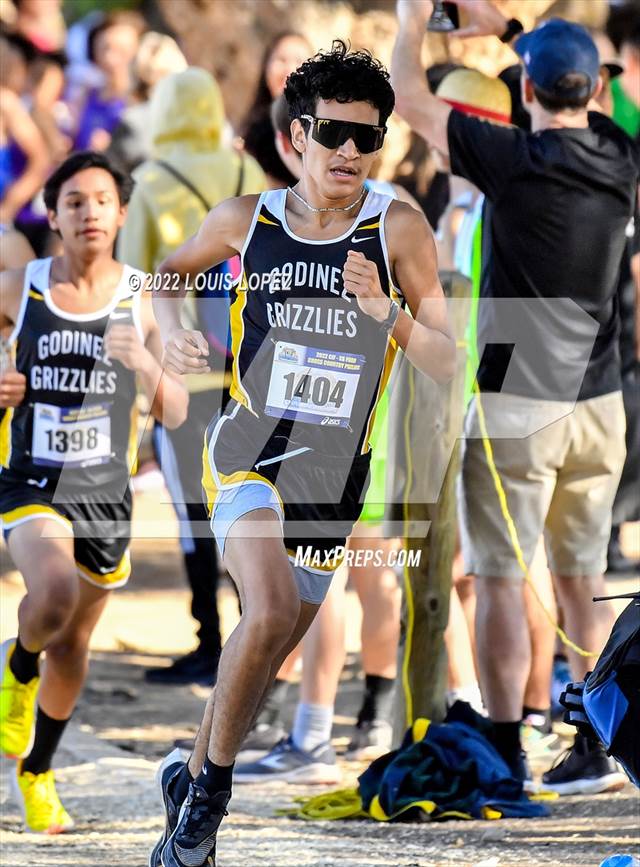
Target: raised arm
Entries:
(426, 114)
(220, 237)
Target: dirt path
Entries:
(122, 726)
(111, 792)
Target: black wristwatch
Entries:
(514, 27)
(387, 324)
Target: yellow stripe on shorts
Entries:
(109, 580)
(28, 513)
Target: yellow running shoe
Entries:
(40, 804)
(17, 707)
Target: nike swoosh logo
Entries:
(39, 484)
(360, 240)
(120, 315)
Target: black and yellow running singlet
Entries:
(306, 359)
(78, 414)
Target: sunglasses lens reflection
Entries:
(334, 133)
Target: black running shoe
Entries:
(584, 769)
(193, 842)
(195, 667)
(370, 740)
(167, 771)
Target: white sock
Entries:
(312, 725)
(469, 693)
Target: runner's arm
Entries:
(166, 392)
(11, 287)
(220, 237)
(12, 384)
(426, 339)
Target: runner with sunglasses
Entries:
(316, 318)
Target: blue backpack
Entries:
(607, 702)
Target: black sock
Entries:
(540, 718)
(23, 663)
(47, 737)
(179, 787)
(214, 778)
(271, 710)
(506, 739)
(378, 698)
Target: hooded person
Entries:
(189, 173)
(187, 120)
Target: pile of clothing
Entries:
(441, 770)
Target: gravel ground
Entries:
(106, 765)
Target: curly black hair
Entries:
(343, 75)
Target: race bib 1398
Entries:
(71, 436)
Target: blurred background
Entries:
(77, 77)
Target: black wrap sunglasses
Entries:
(334, 133)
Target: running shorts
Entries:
(102, 529)
(318, 498)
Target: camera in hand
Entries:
(445, 18)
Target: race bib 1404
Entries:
(71, 436)
(313, 385)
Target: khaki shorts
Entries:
(560, 464)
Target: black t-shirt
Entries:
(560, 201)
(627, 303)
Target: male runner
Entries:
(315, 323)
(82, 338)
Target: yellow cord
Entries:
(513, 533)
(408, 593)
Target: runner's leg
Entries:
(271, 608)
(305, 619)
(63, 675)
(42, 550)
(67, 660)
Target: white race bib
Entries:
(313, 385)
(73, 436)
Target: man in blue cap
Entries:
(559, 200)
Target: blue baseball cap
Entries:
(557, 48)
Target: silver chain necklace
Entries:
(324, 210)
